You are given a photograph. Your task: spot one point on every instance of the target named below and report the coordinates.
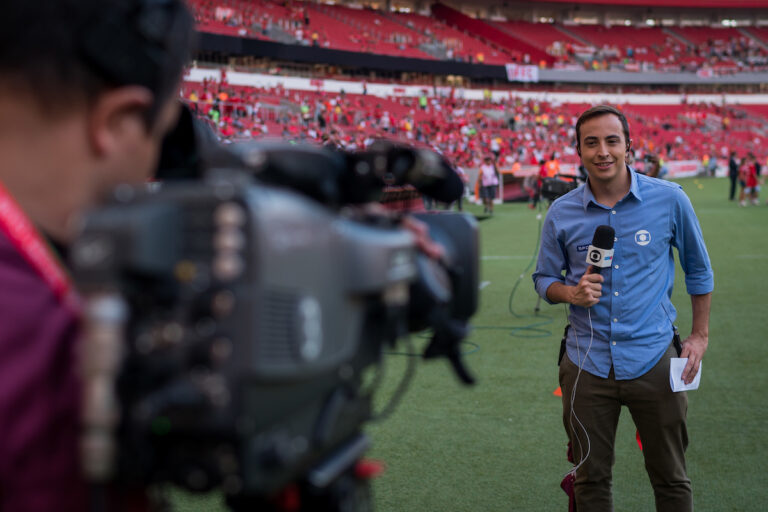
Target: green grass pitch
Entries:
(500, 446)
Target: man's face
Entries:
(603, 148)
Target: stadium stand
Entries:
(548, 37)
(517, 50)
(377, 33)
(450, 35)
(528, 122)
(643, 44)
(458, 45)
(238, 17)
(463, 129)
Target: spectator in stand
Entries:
(733, 174)
(495, 146)
(489, 183)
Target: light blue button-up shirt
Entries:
(632, 323)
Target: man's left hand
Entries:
(694, 347)
(419, 230)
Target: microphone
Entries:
(600, 253)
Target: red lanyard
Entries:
(30, 244)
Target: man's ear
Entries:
(113, 113)
(629, 145)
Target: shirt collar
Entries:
(634, 189)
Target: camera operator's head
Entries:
(87, 91)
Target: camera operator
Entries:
(617, 350)
(652, 165)
(87, 91)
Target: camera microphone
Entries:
(436, 178)
(427, 171)
(600, 252)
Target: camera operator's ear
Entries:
(116, 115)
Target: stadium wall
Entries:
(394, 90)
(237, 46)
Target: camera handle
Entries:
(336, 484)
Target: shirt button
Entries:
(613, 343)
(615, 320)
(613, 212)
(615, 239)
(616, 266)
(616, 293)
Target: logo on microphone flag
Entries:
(599, 257)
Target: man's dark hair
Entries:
(64, 51)
(601, 110)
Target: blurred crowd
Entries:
(515, 131)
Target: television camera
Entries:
(233, 312)
(559, 185)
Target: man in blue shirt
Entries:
(620, 340)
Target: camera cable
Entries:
(402, 386)
(535, 329)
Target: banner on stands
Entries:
(517, 73)
(683, 168)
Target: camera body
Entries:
(552, 188)
(230, 324)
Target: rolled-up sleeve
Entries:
(689, 240)
(551, 261)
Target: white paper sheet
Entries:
(676, 367)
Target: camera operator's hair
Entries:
(601, 110)
(64, 52)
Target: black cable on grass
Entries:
(475, 348)
(402, 387)
(535, 329)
